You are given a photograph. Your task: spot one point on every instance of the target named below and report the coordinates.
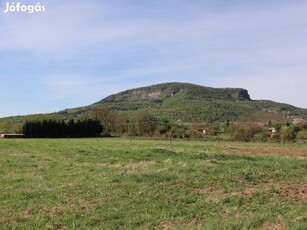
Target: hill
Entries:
(179, 101)
(166, 91)
(195, 103)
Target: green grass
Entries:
(150, 184)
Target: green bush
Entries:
(302, 135)
(288, 133)
(261, 137)
(247, 132)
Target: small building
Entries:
(11, 135)
(272, 132)
(203, 131)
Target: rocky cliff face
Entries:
(243, 94)
(147, 95)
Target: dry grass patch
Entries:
(59, 210)
(143, 166)
(245, 192)
(94, 164)
(205, 190)
(294, 151)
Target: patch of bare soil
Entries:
(285, 189)
(298, 191)
(245, 192)
(27, 214)
(167, 226)
(270, 226)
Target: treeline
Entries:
(108, 122)
(148, 124)
(61, 129)
(275, 132)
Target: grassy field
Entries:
(151, 184)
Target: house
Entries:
(11, 135)
(203, 131)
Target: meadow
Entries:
(151, 184)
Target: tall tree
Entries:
(146, 124)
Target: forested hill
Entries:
(195, 103)
(177, 101)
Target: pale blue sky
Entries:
(78, 52)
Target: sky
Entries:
(76, 52)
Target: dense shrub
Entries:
(247, 132)
(302, 135)
(288, 133)
(261, 136)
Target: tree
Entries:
(164, 125)
(277, 126)
(122, 124)
(146, 124)
(242, 133)
(60, 129)
(107, 116)
(179, 131)
(269, 124)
